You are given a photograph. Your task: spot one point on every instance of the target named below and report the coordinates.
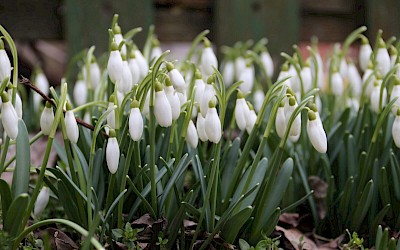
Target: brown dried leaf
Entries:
(294, 236)
(333, 244)
(320, 192)
(144, 221)
(291, 219)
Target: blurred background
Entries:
(49, 32)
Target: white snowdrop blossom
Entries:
(368, 79)
(173, 99)
(191, 137)
(43, 84)
(280, 121)
(241, 111)
(112, 153)
(375, 96)
(267, 63)
(142, 63)
(119, 38)
(5, 64)
(18, 104)
(176, 78)
(364, 54)
(201, 130)
(115, 65)
(251, 118)
(134, 68)
(95, 75)
(111, 116)
(71, 125)
(41, 201)
(213, 124)
(9, 117)
(285, 73)
(162, 108)
(316, 132)
(354, 78)
(155, 50)
(396, 94)
(396, 129)
(208, 59)
(135, 122)
(343, 68)
(46, 119)
(337, 87)
(382, 59)
(200, 86)
(228, 73)
(80, 92)
(208, 95)
(306, 77)
(126, 84)
(258, 99)
(296, 125)
(240, 65)
(247, 76)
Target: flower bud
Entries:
(240, 65)
(251, 119)
(5, 64)
(201, 130)
(200, 86)
(191, 137)
(267, 63)
(375, 96)
(111, 115)
(396, 93)
(343, 68)
(135, 122)
(396, 129)
(382, 59)
(367, 80)
(80, 92)
(174, 101)
(9, 117)
(176, 78)
(112, 152)
(208, 59)
(241, 111)
(126, 84)
(213, 124)
(280, 121)
(365, 54)
(355, 80)
(162, 108)
(306, 76)
(286, 73)
(134, 68)
(337, 84)
(258, 99)
(247, 76)
(119, 38)
(155, 50)
(46, 119)
(71, 125)
(115, 65)
(228, 73)
(296, 125)
(142, 63)
(41, 201)
(95, 75)
(316, 132)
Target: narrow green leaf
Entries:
(384, 187)
(384, 240)
(395, 166)
(232, 227)
(5, 196)
(15, 215)
(21, 174)
(362, 206)
(140, 196)
(378, 237)
(379, 218)
(273, 221)
(392, 244)
(115, 202)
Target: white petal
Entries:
(135, 124)
(267, 62)
(162, 109)
(115, 66)
(201, 130)
(364, 56)
(213, 125)
(46, 120)
(143, 65)
(208, 61)
(5, 66)
(280, 122)
(112, 155)
(355, 80)
(241, 112)
(383, 61)
(41, 201)
(9, 119)
(396, 131)
(317, 135)
(228, 73)
(395, 93)
(42, 83)
(71, 126)
(247, 76)
(80, 92)
(251, 120)
(174, 101)
(209, 93)
(306, 76)
(126, 83)
(191, 137)
(111, 116)
(258, 99)
(177, 80)
(337, 84)
(135, 70)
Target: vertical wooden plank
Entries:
(383, 14)
(87, 21)
(277, 20)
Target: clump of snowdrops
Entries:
(207, 152)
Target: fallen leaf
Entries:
(296, 237)
(291, 219)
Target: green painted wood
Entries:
(383, 14)
(87, 22)
(239, 20)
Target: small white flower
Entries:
(306, 77)
(43, 84)
(213, 124)
(162, 108)
(320, 73)
(155, 50)
(201, 130)
(173, 100)
(367, 80)
(382, 59)
(337, 87)
(46, 119)
(191, 137)
(208, 95)
(375, 96)
(80, 92)
(200, 86)
(247, 76)
(258, 99)
(296, 125)
(280, 121)
(365, 54)
(119, 38)
(95, 75)
(395, 93)
(228, 73)
(142, 63)
(343, 68)
(182, 97)
(135, 122)
(240, 65)
(9, 117)
(176, 78)
(5, 64)
(241, 111)
(355, 80)
(41, 201)
(316, 132)
(353, 103)
(285, 73)
(146, 106)
(208, 59)
(18, 105)
(396, 129)
(134, 68)
(251, 120)
(126, 84)
(115, 65)
(267, 62)
(71, 126)
(111, 115)
(112, 153)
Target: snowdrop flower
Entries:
(228, 73)
(393, 55)
(375, 96)
(306, 77)
(135, 121)
(43, 84)
(173, 99)
(200, 86)
(119, 38)
(251, 118)
(296, 125)
(146, 106)
(95, 74)
(382, 59)
(111, 116)
(343, 68)
(247, 76)
(142, 63)
(320, 73)
(258, 99)
(112, 152)
(367, 80)
(115, 65)
(162, 108)
(18, 103)
(176, 78)
(191, 137)
(280, 121)
(5, 64)
(316, 132)
(240, 65)
(46, 119)
(71, 125)
(337, 87)
(365, 53)
(155, 50)
(267, 63)
(134, 68)
(396, 129)
(208, 59)
(182, 97)
(355, 80)
(9, 117)
(213, 124)
(295, 80)
(208, 95)
(126, 84)
(395, 94)
(41, 201)
(80, 92)
(201, 130)
(285, 73)
(241, 111)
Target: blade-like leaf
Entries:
(15, 214)
(5, 196)
(20, 182)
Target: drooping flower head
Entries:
(112, 152)
(135, 121)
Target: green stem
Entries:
(102, 104)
